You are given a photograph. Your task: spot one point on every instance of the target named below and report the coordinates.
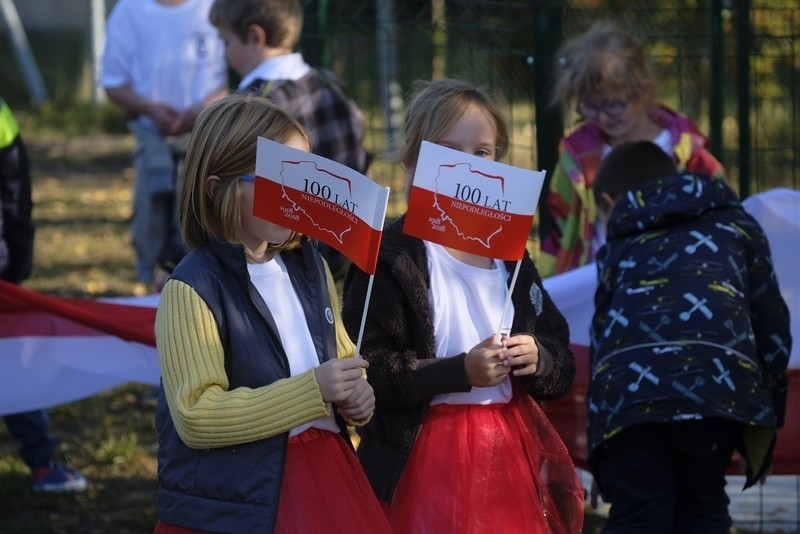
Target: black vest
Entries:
(236, 489)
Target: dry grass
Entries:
(82, 193)
(82, 196)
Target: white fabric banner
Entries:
(59, 366)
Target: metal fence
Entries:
(732, 66)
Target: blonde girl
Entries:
(458, 442)
(253, 403)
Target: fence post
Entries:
(98, 37)
(743, 30)
(30, 71)
(390, 92)
(716, 92)
(314, 39)
(547, 35)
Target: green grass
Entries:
(82, 198)
(111, 439)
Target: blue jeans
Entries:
(29, 429)
(155, 227)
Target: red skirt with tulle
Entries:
(498, 468)
(324, 489)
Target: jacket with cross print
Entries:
(689, 322)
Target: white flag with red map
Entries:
(322, 199)
(472, 204)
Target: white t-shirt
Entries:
(467, 303)
(272, 281)
(171, 54)
(663, 140)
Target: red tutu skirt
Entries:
(324, 489)
(499, 468)
(168, 528)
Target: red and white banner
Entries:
(472, 204)
(55, 350)
(322, 199)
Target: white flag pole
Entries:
(508, 298)
(364, 315)
(380, 217)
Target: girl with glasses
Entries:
(603, 76)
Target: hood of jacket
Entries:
(676, 198)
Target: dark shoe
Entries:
(57, 477)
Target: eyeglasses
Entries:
(612, 109)
(247, 178)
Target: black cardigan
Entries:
(399, 345)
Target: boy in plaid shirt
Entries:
(260, 37)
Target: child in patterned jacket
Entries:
(689, 345)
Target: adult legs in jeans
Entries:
(667, 477)
(30, 430)
(153, 220)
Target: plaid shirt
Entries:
(319, 100)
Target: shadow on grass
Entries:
(116, 504)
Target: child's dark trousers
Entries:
(667, 477)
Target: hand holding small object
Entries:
(483, 365)
(338, 378)
(164, 117)
(521, 353)
(360, 404)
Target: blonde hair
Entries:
(605, 59)
(435, 106)
(281, 20)
(223, 143)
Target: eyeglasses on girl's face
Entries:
(592, 110)
(247, 178)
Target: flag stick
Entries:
(508, 298)
(364, 315)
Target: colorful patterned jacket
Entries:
(571, 201)
(689, 322)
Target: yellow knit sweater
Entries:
(205, 413)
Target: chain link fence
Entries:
(731, 66)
